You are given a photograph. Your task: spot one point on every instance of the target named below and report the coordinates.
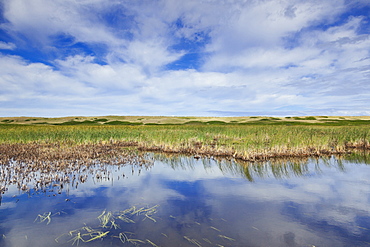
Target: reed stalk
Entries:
(246, 142)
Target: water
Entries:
(181, 201)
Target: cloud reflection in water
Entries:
(321, 202)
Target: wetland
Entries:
(184, 182)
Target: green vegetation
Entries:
(122, 123)
(194, 122)
(215, 122)
(248, 140)
(101, 120)
(86, 122)
(7, 121)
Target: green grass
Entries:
(338, 122)
(86, 122)
(101, 120)
(239, 137)
(7, 121)
(215, 122)
(194, 122)
(122, 123)
(203, 138)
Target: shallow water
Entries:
(181, 201)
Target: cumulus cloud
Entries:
(306, 57)
(23, 79)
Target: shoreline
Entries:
(56, 152)
(51, 166)
(235, 141)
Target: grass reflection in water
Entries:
(187, 216)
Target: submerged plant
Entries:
(225, 237)
(77, 239)
(110, 220)
(44, 217)
(193, 241)
(97, 235)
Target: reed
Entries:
(245, 142)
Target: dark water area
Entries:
(182, 201)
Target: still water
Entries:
(182, 201)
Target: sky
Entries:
(184, 58)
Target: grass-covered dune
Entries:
(155, 120)
(245, 138)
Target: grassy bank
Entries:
(242, 141)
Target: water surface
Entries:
(182, 201)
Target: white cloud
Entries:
(316, 50)
(40, 19)
(7, 46)
(149, 55)
(83, 85)
(257, 56)
(102, 77)
(265, 23)
(21, 80)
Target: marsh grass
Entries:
(246, 142)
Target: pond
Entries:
(182, 201)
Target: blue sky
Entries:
(184, 58)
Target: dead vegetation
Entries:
(200, 149)
(51, 167)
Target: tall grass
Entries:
(238, 140)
